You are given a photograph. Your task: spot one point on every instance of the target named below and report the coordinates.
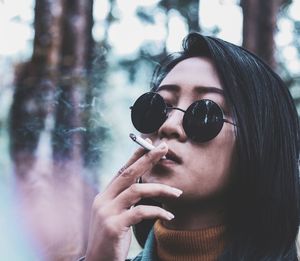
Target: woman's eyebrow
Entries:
(169, 87)
(197, 89)
(208, 89)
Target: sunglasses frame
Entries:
(167, 108)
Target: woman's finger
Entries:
(137, 191)
(137, 169)
(136, 155)
(136, 214)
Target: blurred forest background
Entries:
(69, 72)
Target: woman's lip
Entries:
(172, 156)
(167, 162)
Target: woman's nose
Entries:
(172, 127)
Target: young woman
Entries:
(229, 186)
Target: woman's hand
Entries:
(113, 213)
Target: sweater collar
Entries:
(204, 244)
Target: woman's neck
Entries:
(195, 216)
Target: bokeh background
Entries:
(69, 71)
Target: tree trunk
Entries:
(36, 82)
(77, 45)
(54, 198)
(259, 27)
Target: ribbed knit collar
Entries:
(189, 245)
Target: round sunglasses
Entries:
(202, 121)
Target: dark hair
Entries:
(263, 214)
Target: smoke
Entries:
(15, 243)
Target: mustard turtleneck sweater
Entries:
(189, 245)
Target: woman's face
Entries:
(201, 170)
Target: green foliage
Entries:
(291, 77)
(145, 15)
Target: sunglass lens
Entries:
(148, 112)
(203, 120)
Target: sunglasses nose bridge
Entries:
(172, 127)
(179, 113)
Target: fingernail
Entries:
(170, 216)
(162, 146)
(177, 192)
(150, 141)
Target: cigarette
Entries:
(143, 143)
